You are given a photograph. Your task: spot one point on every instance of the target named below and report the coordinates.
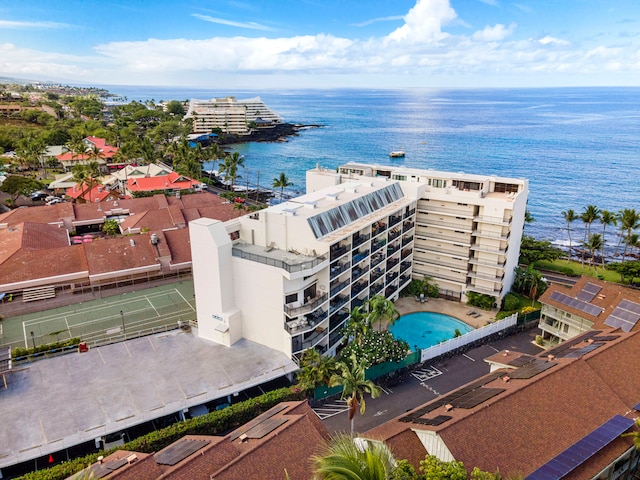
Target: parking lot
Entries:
(430, 381)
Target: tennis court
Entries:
(115, 318)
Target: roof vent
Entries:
(448, 407)
(132, 242)
(506, 379)
(154, 239)
(243, 438)
(551, 357)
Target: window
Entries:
(293, 297)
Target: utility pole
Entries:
(122, 316)
(33, 339)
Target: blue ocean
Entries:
(576, 146)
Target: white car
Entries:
(55, 200)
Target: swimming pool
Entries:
(426, 329)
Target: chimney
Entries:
(551, 358)
(448, 407)
(506, 379)
(132, 242)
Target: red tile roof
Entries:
(108, 151)
(173, 181)
(97, 193)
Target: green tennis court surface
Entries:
(114, 318)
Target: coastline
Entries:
(277, 133)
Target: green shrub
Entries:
(215, 423)
(511, 302)
(45, 347)
(539, 340)
(480, 300)
(568, 271)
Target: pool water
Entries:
(426, 329)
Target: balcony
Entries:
(408, 225)
(376, 259)
(436, 222)
(409, 213)
(377, 228)
(294, 309)
(358, 257)
(337, 287)
(357, 241)
(404, 266)
(405, 253)
(295, 327)
(496, 264)
(376, 289)
(337, 303)
(376, 274)
(404, 279)
(357, 272)
(406, 240)
(277, 258)
(357, 302)
(462, 238)
(485, 276)
(338, 268)
(444, 210)
(390, 290)
(392, 262)
(391, 277)
(358, 287)
(338, 319)
(335, 337)
(394, 220)
(391, 249)
(338, 251)
(299, 344)
(494, 220)
(487, 291)
(483, 248)
(378, 244)
(393, 234)
(496, 235)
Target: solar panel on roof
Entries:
(575, 303)
(256, 421)
(630, 306)
(266, 427)
(521, 360)
(606, 338)
(582, 450)
(476, 397)
(439, 420)
(532, 369)
(179, 450)
(579, 352)
(623, 318)
(588, 292)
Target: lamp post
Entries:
(33, 339)
(122, 316)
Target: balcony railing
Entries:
(404, 279)
(405, 253)
(409, 213)
(482, 248)
(392, 262)
(394, 220)
(338, 269)
(337, 303)
(499, 236)
(484, 276)
(378, 244)
(496, 264)
(358, 257)
(358, 272)
(408, 225)
(360, 240)
(436, 222)
(310, 321)
(376, 259)
(338, 287)
(462, 238)
(393, 234)
(407, 240)
(375, 275)
(391, 277)
(378, 227)
(292, 309)
(376, 289)
(298, 345)
(404, 266)
(494, 220)
(289, 265)
(338, 319)
(358, 287)
(337, 252)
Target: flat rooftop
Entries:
(56, 403)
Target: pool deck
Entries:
(458, 310)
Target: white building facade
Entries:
(288, 276)
(229, 115)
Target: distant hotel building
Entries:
(230, 115)
(288, 276)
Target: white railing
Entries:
(467, 338)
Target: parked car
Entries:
(38, 195)
(55, 200)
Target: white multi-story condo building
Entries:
(288, 276)
(229, 115)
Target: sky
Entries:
(323, 43)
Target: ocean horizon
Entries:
(577, 146)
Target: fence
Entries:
(467, 338)
(373, 372)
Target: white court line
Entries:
(185, 300)
(152, 306)
(68, 328)
(465, 355)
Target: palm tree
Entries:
(606, 218)
(358, 324)
(629, 221)
(633, 242)
(354, 385)
(229, 168)
(381, 309)
(590, 214)
(594, 243)
(635, 435)
(281, 182)
(569, 217)
(528, 218)
(315, 369)
(354, 458)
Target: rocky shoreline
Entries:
(278, 133)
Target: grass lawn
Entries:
(562, 266)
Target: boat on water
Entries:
(396, 153)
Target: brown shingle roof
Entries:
(534, 419)
(288, 447)
(118, 254)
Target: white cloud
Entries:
(494, 34)
(13, 24)
(548, 40)
(376, 20)
(424, 22)
(493, 3)
(418, 53)
(221, 21)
